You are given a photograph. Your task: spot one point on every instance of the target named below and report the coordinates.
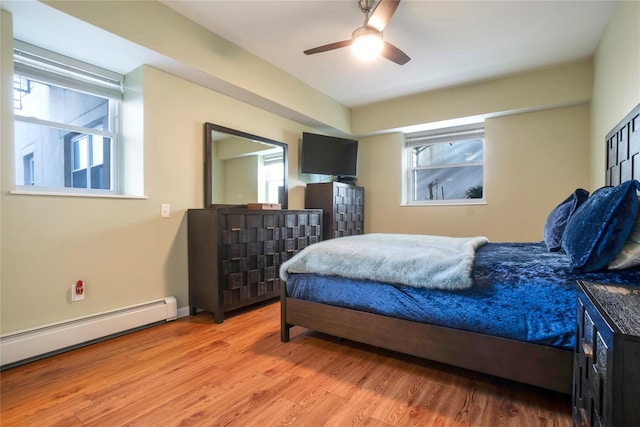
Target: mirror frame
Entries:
(208, 167)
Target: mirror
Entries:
(241, 168)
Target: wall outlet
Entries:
(165, 210)
(78, 291)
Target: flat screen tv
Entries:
(329, 155)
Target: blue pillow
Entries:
(558, 218)
(599, 228)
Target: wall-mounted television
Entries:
(329, 155)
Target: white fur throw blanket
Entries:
(435, 262)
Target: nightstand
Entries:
(606, 370)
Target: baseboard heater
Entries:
(31, 344)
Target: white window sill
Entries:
(70, 194)
(446, 203)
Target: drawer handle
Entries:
(270, 228)
(236, 229)
(588, 350)
(583, 416)
(236, 258)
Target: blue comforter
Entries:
(520, 291)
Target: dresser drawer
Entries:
(235, 254)
(607, 356)
(591, 365)
(343, 206)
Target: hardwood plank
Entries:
(195, 372)
(280, 412)
(197, 406)
(319, 409)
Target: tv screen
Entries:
(329, 155)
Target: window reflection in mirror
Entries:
(241, 168)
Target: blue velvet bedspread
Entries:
(520, 291)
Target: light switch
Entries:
(165, 210)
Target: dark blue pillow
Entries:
(598, 229)
(557, 219)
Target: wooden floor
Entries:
(192, 372)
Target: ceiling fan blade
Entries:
(382, 14)
(326, 47)
(394, 54)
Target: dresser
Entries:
(606, 371)
(235, 254)
(342, 205)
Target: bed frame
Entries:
(534, 364)
(623, 149)
(538, 365)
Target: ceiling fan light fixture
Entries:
(367, 43)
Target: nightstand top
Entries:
(620, 303)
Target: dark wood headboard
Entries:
(623, 149)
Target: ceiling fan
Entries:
(377, 14)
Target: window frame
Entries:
(441, 136)
(268, 161)
(49, 68)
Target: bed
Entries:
(515, 318)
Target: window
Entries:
(274, 176)
(28, 169)
(66, 123)
(445, 166)
(87, 161)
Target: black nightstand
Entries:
(606, 370)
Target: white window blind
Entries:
(475, 131)
(43, 65)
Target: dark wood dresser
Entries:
(606, 371)
(235, 254)
(342, 204)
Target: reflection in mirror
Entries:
(241, 168)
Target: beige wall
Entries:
(214, 61)
(536, 153)
(241, 180)
(558, 142)
(124, 251)
(616, 88)
(532, 162)
(127, 253)
(6, 126)
(560, 86)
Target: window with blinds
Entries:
(445, 166)
(66, 123)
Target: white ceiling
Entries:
(449, 42)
